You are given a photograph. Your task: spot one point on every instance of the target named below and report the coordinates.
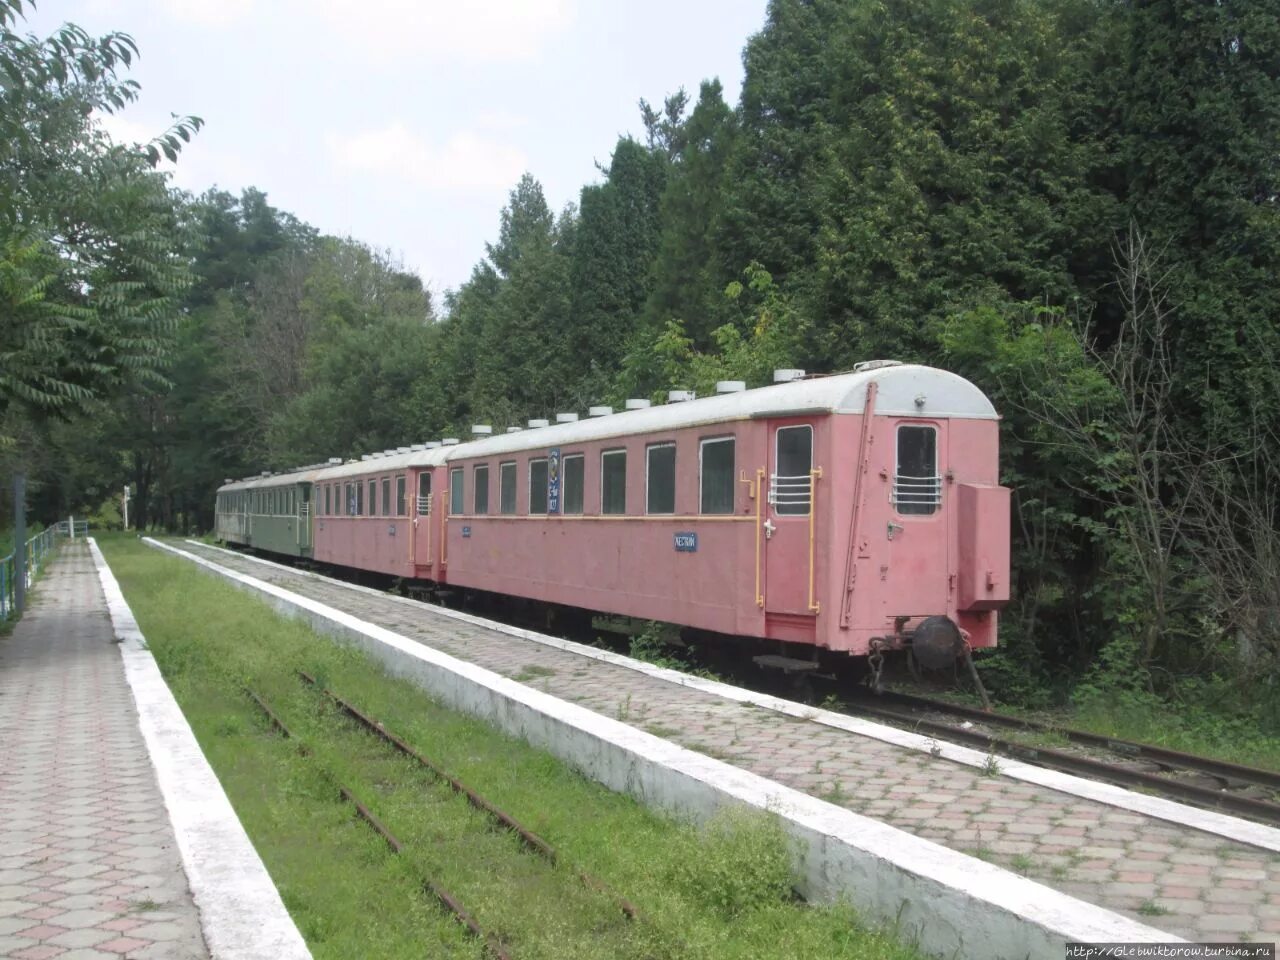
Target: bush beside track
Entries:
(720, 892)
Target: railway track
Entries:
(448, 901)
(1246, 791)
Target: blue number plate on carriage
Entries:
(686, 542)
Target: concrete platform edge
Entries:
(1220, 824)
(241, 913)
(950, 903)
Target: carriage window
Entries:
(359, 510)
(613, 481)
(538, 486)
(661, 478)
(373, 498)
(350, 500)
(917, 488)
(573, 481)
(480, 504)
(790, 486)
(386, 496)
(328, 500)
(457, 491)
(507, 487)
(400, 504)
(717, 475)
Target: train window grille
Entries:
(917, 488)
(574, 477)
(386, 496)
(457, 492)
(507, 488)
(424, 495)
(717, 463)
(480, 476)
(538, 486)
(613, 482)
(328, 500)
(359, 510)
(660, 474)
(791, 483)
(373, 498)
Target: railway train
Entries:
(852, 514)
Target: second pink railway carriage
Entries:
(854, 513)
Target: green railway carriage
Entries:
(272, 512)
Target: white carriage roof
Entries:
(945, 395)
(942, 395)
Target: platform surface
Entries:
(1188, 882)
(89, 868)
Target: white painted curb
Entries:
(951, 904)
(241, 913)
(1209, 821)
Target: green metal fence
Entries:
(39, 549)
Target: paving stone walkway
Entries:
(1192, 884)
(88, 865)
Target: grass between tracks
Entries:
(716, 892)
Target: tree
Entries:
(91, 243)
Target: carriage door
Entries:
(304, 516)
(422, 519)
(786, 524)
(916, 549)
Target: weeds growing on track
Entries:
(723, 891)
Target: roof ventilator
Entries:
(566, 418)
(637, 404)
(787, 376)
(450, 441)
(730, 386)
(599, 411)
(481, 430)
(433, 444)
(866, 365)
(535, 424)
(514, 429)
(680, 396)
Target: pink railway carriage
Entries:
(853, 512)
(376, 513)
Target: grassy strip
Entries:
(720, 892)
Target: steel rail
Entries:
(1085, 766)
(1223, 770)
(531, 840)
(446, 899)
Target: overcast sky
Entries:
(405, 123)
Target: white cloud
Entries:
(466, 160)
(207, 13)
(468, 30)
(483, 31)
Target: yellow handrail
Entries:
(814, 477)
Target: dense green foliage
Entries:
(90, 241)
(1073, 204)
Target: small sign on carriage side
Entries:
(553, 480)
(466, 532)
(686, 542)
